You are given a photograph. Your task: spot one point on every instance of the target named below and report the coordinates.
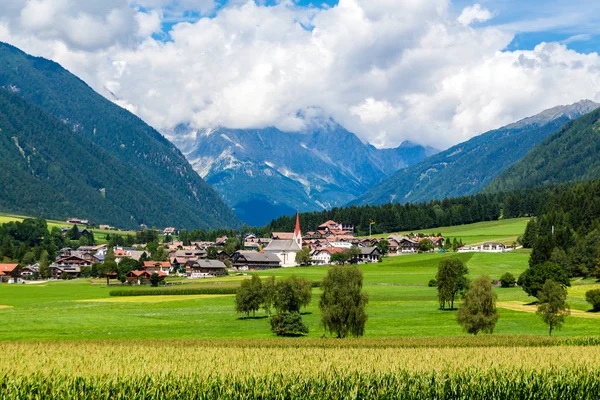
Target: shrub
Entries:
(288, 324)
(593, 297)
(432, 283)
(507, 280)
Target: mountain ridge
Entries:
(265, 173)
(571, 154)
(466, 168)
(188, 201)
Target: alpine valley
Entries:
(266, 173)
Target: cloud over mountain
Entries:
(389, 70)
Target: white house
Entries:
(488, 247)
(323, 256)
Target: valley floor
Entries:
(400, 305)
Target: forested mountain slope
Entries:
(468, 167)
(167, 189)
(571, 154)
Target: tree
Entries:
(288, 324)
(383, 246)
(268, 294)
(507, 280)
(478, 310)
(211, 253)
(593, 297)
(339, 258)
(531, 233)
(44, 265)
(292, 294)
(154, 279)
(303, 257)
(352, 254)
(451, 280)
(342, 302)
(553, 307)
(231, 246)
(249, 296)
(109, 268)
(533, 278)
(74, 233)
(426, 245)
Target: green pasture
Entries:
(400, 305)
(505, 231)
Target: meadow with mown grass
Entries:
(400, 305)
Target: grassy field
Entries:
(505, 231)
(400, 305)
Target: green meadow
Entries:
(504, 230)
(400, 305)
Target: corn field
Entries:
(297, 369)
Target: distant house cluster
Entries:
(488, 247)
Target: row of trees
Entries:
(478, 313)
(31, 241)
(398, 217)
(342, 302)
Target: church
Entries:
(286, 250)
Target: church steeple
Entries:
(297, 232)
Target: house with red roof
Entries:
(157, 266)
(10, 273)
(142, 277)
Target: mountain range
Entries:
(571, 154)
(468, 167)
(69, 152)
(265, 173)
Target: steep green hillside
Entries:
(147, 180)
(47, 170)
(572, 154)
(468, 167)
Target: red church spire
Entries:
(297, 232)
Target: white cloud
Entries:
(475, 13)
(389, 70)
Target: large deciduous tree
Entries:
(292, 294)
(303, 257)
(553, 307)
(451, 280)
(249, 296)
(478, 309)
(533, 278)
(343, 303)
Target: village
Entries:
(331, 243)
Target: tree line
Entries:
(397, 217)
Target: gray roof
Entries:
(253, 256)
(283, 245)
(210, 264)
(189, 253)
(367, 250)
